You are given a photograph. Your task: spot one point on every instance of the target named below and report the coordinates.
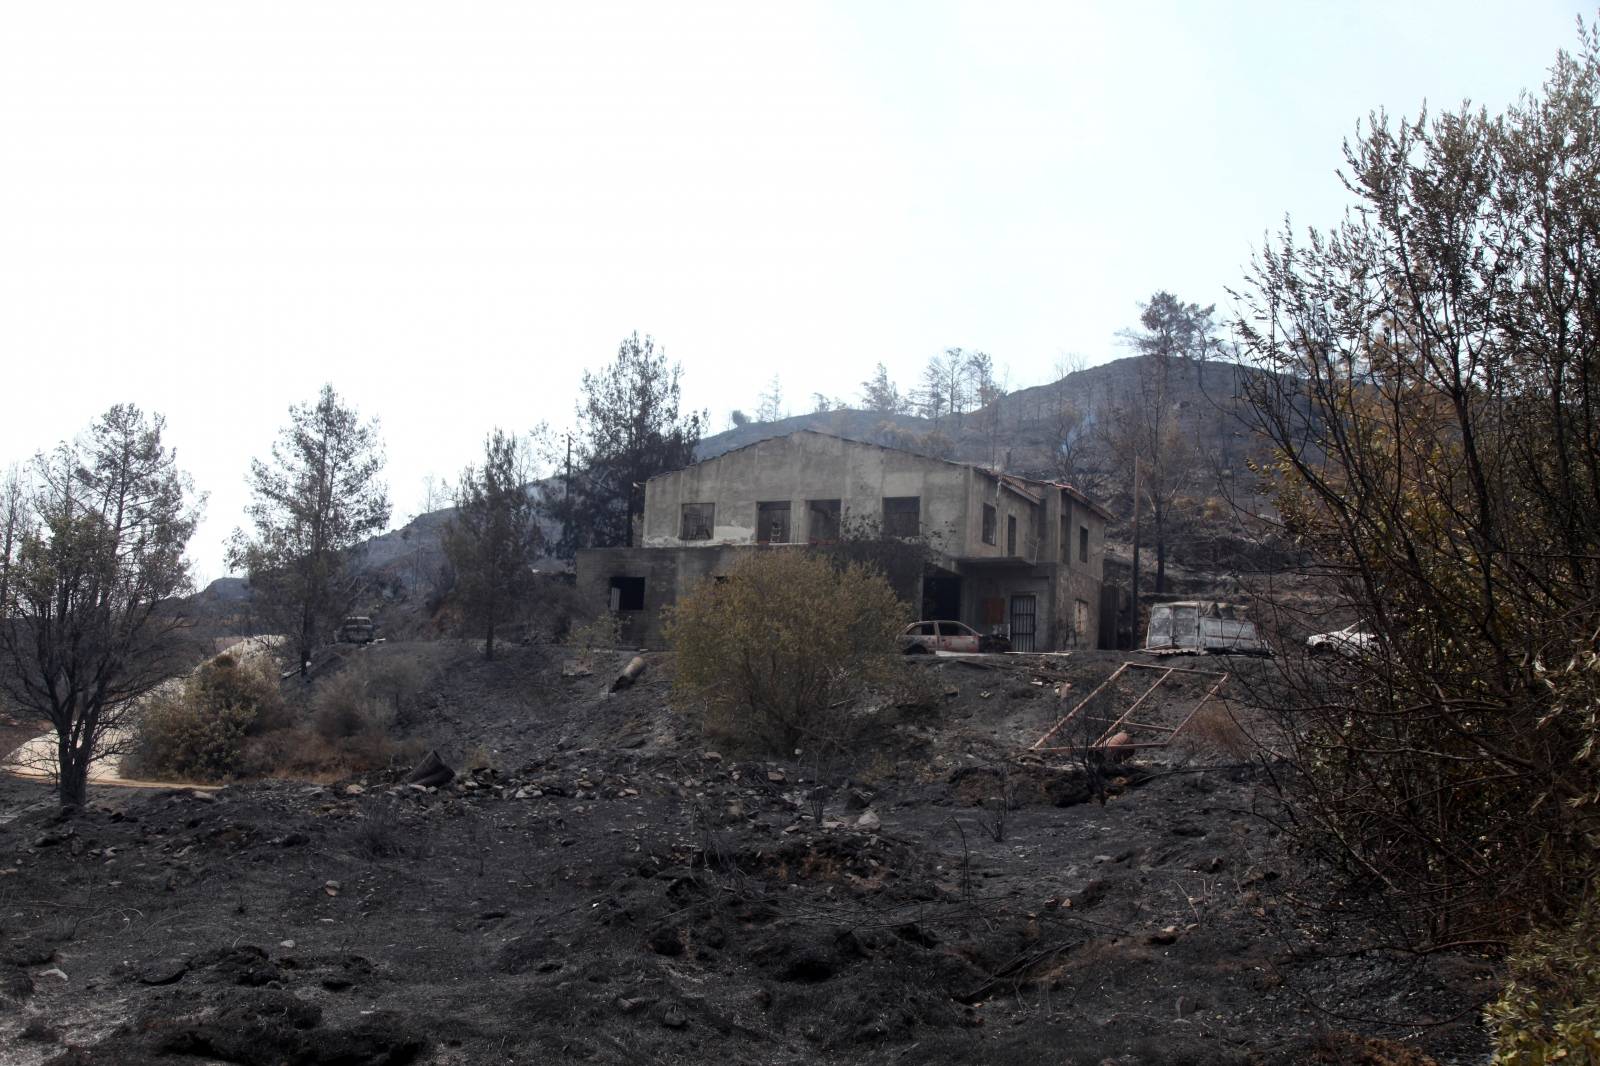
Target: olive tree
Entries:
(93, 541)
(1433, 403)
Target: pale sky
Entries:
(450, 210)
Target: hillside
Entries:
(598, 885)
(1021, 431)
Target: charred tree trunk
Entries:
(1161, 553)
(72, 772)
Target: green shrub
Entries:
(227, 682)
(197, 732)
(1550, 1009)
(773, 654)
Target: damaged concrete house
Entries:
(1009, 554)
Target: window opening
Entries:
(772, 522)
(824, 521)
(698, 521)
(902, 516)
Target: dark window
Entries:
(902, 516)
(824, 528)
(698, 521)
(988, 523)
(925, 629)
(772, 522)
(627, 593)
(1066, 540)
(1011, 534)
(1083, 544)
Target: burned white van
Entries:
(1199, 627)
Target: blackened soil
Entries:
(607, 890)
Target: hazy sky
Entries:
(450, 210)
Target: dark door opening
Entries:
(627, 593)
(1023, 620)
(941, 597)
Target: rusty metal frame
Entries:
(1126, 719)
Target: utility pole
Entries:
(566, 498)
(1134, 628)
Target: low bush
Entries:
(353, 702)
(183, 741)
(1215, 731)
(558, 609)
(198, 731)
(602, 632)
(1550, 1009)
(229, 720)
(773, 654)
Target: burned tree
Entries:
(1173, 335)
(93, 556)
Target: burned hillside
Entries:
(595, 884)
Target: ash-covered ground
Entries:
(599, 884)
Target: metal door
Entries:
(1023, 615)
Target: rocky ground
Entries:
(599, 885)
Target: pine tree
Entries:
(494, 537)
(880, 394)
(629, 431)
(318, 498)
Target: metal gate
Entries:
(1022, 622)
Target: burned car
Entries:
(1203, 627)
(1352, 642)
(921, 638)
(356, 629)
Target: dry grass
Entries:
(1215, 730)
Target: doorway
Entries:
(941, 597)
(1024, 618)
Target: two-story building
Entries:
(1008, 554)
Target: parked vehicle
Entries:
(1203, 627)
(921, 638)
(356, 629)
(1353, 641)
